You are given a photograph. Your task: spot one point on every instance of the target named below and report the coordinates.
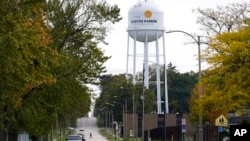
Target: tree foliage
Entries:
(77, 28)
(49, 53)
(231, 63)
(24, 49)
(25, 56)
(180, 86)
(226, 83)
(119, 91)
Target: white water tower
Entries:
(146, 28)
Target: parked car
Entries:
(83, 139)
(75, 138)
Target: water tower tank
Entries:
(145, 18)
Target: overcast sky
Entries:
(178, 15)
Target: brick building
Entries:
(153, 121)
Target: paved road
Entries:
(89, 125)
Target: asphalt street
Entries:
(89, 125)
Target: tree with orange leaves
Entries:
(25, 55)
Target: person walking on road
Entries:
(90, 135)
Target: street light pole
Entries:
(122, 105)
(126, 121)
(200, 92)
(133, 120)
(198, 42)
(110, 118)
(126, 113)
(143, 109)
(165, 110)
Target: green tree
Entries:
(180, 90)
(76, 29)
(25, 56)
(118, 90)
(180, 86)
(40, 109)
(49, 53)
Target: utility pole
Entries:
(198, 42)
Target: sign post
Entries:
(222, 122)
(183, 128)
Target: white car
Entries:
(82, 136)
(74, 138)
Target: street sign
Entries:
(131, 133)
(220, 129)
(183, 121)
(183, 125)
(183, 128)
(221, 121)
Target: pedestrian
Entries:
(90, 135)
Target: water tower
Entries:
(146, 28)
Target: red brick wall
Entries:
(151, 121)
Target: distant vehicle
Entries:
(75, 138)
(70, 128)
